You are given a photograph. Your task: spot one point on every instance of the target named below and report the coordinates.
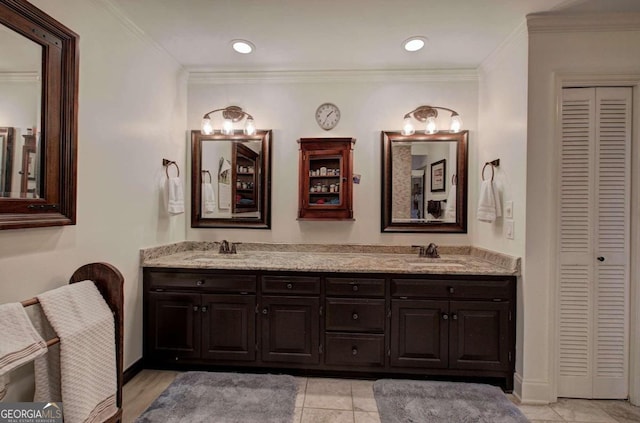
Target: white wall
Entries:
(563, 47)
(131, 115)
(502, 134)
(368, 106)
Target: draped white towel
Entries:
(84, 323)
(489, 203)
(176, 196)
(209, 197)
(450, 210)
(20, 342)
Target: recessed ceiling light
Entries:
(242, 46)
(414, 43)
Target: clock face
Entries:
(327, 116)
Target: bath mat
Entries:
(418, 401)
(224, 398)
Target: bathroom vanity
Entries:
(368, 313)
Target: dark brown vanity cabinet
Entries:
(453, 324)
(199, 316)
(290, 319)
(326, 179)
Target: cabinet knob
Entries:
(265, 311)
(445, 316)
(454, 316)
(289, 285)
(355, 288)
(196, 308)
(355, 316)
(600, 258)
(354, 351)
(200, 282)
(204, 309)
(451, 290)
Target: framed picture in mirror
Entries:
(438, 175)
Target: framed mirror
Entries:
(39, 100)
(424, 182)
(231, 180)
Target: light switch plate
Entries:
(508, 228)
(508, 209)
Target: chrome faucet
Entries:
(227, 248)
(430, 251)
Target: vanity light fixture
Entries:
(428, 115)
(415, 43)
(231, 115)
(242, 46)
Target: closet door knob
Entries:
(600, 258)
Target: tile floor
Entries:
(351, 401)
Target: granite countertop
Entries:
(336, 258)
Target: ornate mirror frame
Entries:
(57, 203)
(263, 179)
(460, 224)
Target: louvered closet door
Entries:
(594, 242)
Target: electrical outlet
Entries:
(508, 228)
(508, 209)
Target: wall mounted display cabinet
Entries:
(326, 179)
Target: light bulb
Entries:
(432, 128)
(206, 127)
(249, 127)
(227, 127)
(456, 123)
(407, 127)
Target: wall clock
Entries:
(327, 116)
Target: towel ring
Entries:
(208, 173)
(484, 167)
(166, 163)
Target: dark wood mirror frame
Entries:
(460, 225)
(264, 180)
(57, 203)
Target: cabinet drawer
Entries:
(355, 287)
(358, 315)
(203, 281)
(458, 289)
(355, 349)
(290, 285)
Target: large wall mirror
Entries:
(38, 102)
(231, 180)
(424, 182)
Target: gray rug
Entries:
(224, 398)
(418, 401)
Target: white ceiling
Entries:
(331, 34)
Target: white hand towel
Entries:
(450, 210)
(176, 196)
(488, 203)
(209, 197)
(20, 343)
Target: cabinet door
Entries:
(173, 326)
(479, 335)
(229, 327)
(290, 329)
(419, 333)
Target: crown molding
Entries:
(588, 22)
(117, 12)
(29, 76)
(200, 76)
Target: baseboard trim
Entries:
(532, 392)
(132, 370)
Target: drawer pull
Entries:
(289, 285)
(354, 316)
(445, 316)
(200, 282)
(451, 290)
(204, 309)
(354, 351)
(454, 316)
(355, 288)
(196, 308)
